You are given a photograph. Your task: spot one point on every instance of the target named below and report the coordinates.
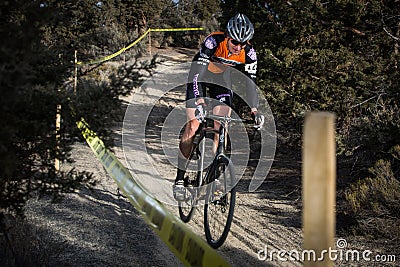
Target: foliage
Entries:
(341, 57)
(31, 78)
(337, 56)
(38, 40)
(376, 198)
(379, 195)
(98, 99)
(190, 13)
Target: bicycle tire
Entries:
(188, 206)
(218, 214)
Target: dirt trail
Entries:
(102, 228)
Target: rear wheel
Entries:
(220, 204)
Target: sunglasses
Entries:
(236, 43)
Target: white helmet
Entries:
(240, 28)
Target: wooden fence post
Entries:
(58, 136)
(150, 43)
(75, 72)
(319, 188)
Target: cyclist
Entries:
(218, 52)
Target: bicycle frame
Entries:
(220, 152)
(219, 197)
(199, 148)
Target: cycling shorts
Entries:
(222, 94)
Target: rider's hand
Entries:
(200, 112)
(258, 119)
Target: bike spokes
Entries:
(188, 205)
(218, 211)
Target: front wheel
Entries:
(188, 205)
(220, 204)
(193, 182)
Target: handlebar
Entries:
(228, 119)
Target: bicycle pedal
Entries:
(218, 194)
(180, 194)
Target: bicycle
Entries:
(217, 180)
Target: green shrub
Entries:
(374, 202)
(378, 195)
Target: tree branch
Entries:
(358, 32)
(387, 32)
(391, 35)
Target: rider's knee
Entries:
(192, 127)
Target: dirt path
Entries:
(102, 228)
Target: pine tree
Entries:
(37, 48)
(342, 57)
(32, 76)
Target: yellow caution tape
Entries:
(100, 60)
(185, 244)
(177, 29)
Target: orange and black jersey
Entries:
(215, 57)
(215, 48)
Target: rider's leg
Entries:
(223, 101)
(220, 110)
(186, 143)
(185, 147)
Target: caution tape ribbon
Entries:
(100, 60)
(177, 29)
(185, 244)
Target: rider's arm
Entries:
(197, 70)
(251, 72)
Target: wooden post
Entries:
(150, 43)
(75, 72)
(58, 136)
(319, 188)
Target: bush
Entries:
(376, 198)
(378, 195)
